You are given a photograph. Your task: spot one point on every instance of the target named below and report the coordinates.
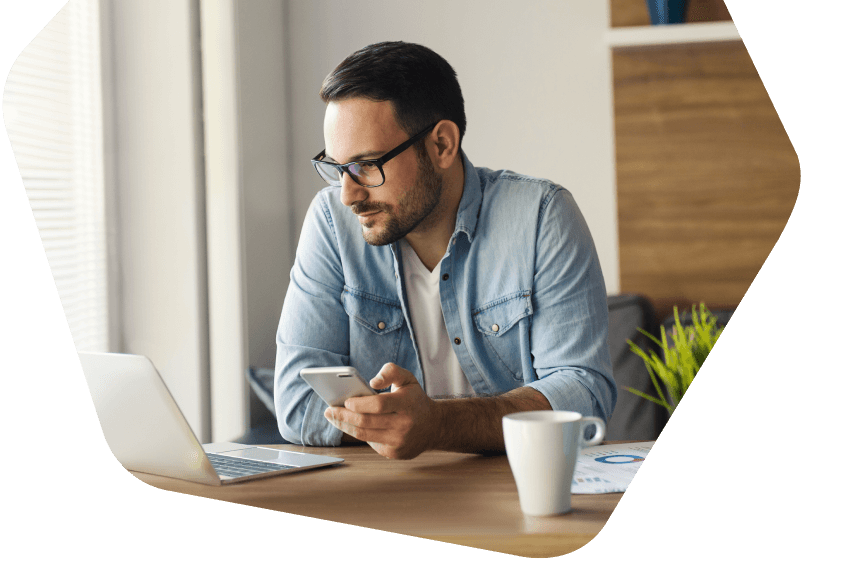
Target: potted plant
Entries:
(683, 351)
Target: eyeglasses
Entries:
(367, 173)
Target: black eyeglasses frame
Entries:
(379, 162)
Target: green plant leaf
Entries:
(683, 354)
(664, 404)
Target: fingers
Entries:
(392, 375)
(365, 427)
(392, 442)
(358, 419)
(395, 424)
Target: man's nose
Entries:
(350, 191)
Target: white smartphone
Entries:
(336, 384)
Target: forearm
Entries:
(474, 425)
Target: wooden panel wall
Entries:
(706, 175)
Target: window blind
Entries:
(53, 114)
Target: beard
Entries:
(415, 206)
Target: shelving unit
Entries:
(631, 37)
(706, 175)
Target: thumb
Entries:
(394, 376)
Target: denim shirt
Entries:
(521, 289)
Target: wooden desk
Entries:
(458, 498)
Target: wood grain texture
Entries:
(706, 175)
(463, 499)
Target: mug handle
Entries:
(598, 435)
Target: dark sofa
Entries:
(634, 418)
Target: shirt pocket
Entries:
(498, 323)
(375, 330)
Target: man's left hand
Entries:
(400, 424)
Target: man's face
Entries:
(357, 129)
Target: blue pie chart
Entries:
(619, 459)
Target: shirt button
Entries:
(494, 327)
(457, 341)
(381, 325)
(445, 276)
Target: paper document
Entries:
(609, 468)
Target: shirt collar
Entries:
(471, 201)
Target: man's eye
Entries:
(367, 166)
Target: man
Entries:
(465, 294)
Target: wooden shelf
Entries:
(632, 37)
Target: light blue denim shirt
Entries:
(521, 289)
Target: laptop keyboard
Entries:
(231, 467)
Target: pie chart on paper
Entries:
(608, 468)
(619, 459)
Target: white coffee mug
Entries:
(542, 447)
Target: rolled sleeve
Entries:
(569, 330)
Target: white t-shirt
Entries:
(442, 375)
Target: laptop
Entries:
(147, 432)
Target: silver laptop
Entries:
(148, 433)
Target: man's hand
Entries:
(405, 422)
(400, 424)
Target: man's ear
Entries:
(445, 140)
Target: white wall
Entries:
(204, 256)
(536, 78)
(158, 190)
(265, 169)
(248, 217)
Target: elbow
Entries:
(289, 423)
(290, 413)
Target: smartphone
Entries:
(336, 384)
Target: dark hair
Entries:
(420, 84)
